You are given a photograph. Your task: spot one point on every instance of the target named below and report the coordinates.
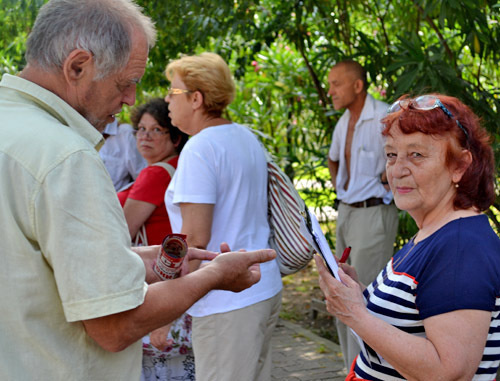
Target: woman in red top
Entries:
(160, 144)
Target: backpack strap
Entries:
(167, 167)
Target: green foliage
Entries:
(280, 52)
(16, 17)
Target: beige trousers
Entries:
(371, 233)
(236, 345)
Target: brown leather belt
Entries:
(373, 201)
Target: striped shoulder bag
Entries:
(285, 212)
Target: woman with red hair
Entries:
(433, 312)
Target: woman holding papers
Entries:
(433, 312)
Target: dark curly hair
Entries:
(158, 109)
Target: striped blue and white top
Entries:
(457, 267)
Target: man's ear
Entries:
(358, 86)
(78, 65)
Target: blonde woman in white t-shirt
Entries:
(219, 194)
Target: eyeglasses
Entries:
(425, 102)
(155, 133)
(174, 91)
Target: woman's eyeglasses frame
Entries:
(425, 103)
(155, 134)
(175, 91)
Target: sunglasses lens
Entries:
(394, 107)
(426, 102)
(398, 105)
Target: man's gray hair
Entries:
(102, 27)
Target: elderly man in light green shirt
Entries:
(74, 299)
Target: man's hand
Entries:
(166, 301)
(239, 270)
(200, 254)
(197, 255)
(149, 254)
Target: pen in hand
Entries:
(345, 254)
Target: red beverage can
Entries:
(172, 252)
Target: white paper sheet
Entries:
(318, 241)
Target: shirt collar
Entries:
(368, 111)
(111, 128)
(55, 106)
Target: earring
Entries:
(456, 185)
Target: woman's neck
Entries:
(164, 160)
(213, 121)
(431, 225)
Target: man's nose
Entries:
(129, 96)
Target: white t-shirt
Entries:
(367, 154)
(225, 165)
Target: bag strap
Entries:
(167, 167)
(141, 234)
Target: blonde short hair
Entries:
(209, 74)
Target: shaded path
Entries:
(300, 355)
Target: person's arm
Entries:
(145, 196)
(165, 301)
(378, 143)
(452, 349)
(384, 180)
(333, 166)
(197, 225)
(136, 214)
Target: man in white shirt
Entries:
(120, 155)
(367, 219)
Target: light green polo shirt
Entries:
(64, 244)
